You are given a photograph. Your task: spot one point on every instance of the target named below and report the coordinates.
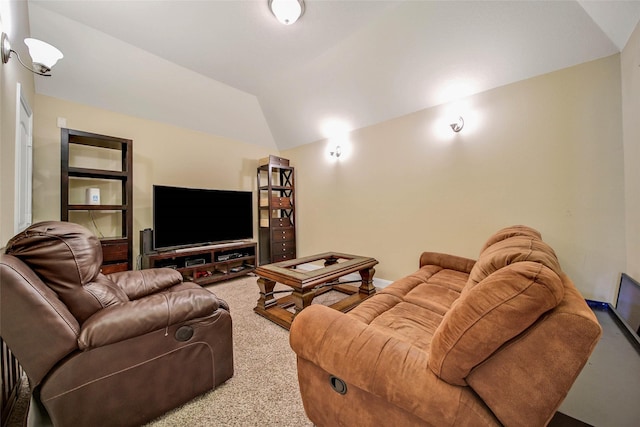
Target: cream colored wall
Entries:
(14, 21)
(630, 60)
(162, 154)
(546, 152)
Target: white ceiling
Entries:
(229, 68)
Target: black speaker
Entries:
(146, 241)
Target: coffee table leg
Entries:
(367, 281)
(266, 299)
(302, 300)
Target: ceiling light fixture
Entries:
(337, 153)
(457, 126)
(287, 11)
(43, 55)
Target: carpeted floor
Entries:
(264, 388)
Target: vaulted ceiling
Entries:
(229, 68)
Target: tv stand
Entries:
(207, 264)
(211, 246)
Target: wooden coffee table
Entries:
(307, 284)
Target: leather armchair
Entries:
(118, 349)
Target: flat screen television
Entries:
(184, 217)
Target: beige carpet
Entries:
(264, 388)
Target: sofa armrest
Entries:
(33, 318)
(367, 358)
(139, 283)
(135, 318)
(526, 380)
(446, 261)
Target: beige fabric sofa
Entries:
(497, 341)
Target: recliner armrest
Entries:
(367, 358)
(139, 283)
(446, 261)
(135, 318)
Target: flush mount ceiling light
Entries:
(287, 11)
(43, 55)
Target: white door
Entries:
(24, 162)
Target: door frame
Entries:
(23, 203)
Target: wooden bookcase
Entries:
(90, 160)
(207, 264)
(276, 210)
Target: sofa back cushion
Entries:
(512, 231)
(67, 257)
(485, 317)
(510, 250)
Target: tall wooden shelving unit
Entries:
(117, 251)
(276, 210)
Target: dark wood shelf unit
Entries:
(277, 187)
(97, 207)
(117, 250)
(276, 210)
(206, 265)
(97, 173)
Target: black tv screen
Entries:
(193, 216)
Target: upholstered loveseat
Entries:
(107, 350)
(497, 341)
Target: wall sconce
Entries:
(43, 55)
(458, 125)
(287, 11)
(336, 153)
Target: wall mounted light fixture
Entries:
(287, 11)
(458, 125)
(337, 152)
(43, 55)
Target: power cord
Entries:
(93, 221)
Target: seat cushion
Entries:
(412, 307)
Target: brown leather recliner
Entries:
(116, 350)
